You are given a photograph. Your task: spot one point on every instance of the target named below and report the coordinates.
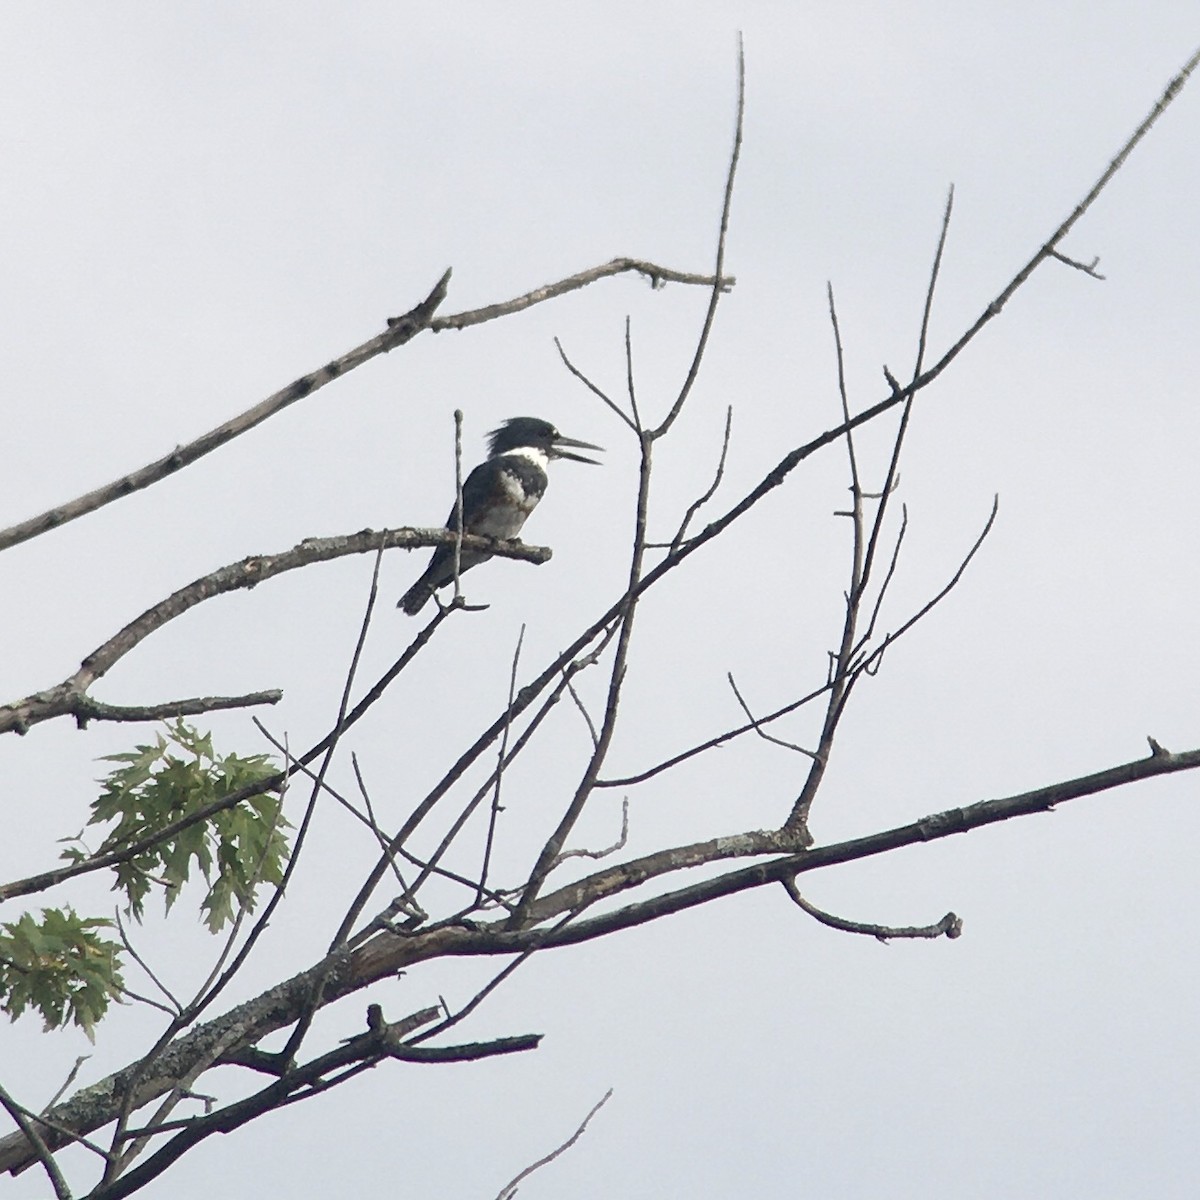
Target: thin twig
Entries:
(889, 575)
(608, 851)
(594, 388)
(701, 501)
(176, 1007)
(509, 1190)
(936, 599)
(70, 1079)
(756, 725)
(583, 712)
(712, 743)
(457, 522)
(41, 1151)
(498, 774)
(413, 908)
(949, 926)
(631, 390)
(1086, 268)
(719, 271)
(656, 274)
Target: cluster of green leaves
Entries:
(60, 966)
(153, 786)
(58, 963)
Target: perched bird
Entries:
(497, 496)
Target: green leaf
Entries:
(60, 966)
(235, 851)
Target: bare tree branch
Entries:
(98, 862)
(552, 850)
(719, 271)
(86, 709)
(658, 276)
(594, 388)
(29, 1129)
(404, 330)
(387, 953)
(757, 725)
(712, 743)
(949, 926)
(509, 1190)
(65, 698)
(400, 331)
(701, 500)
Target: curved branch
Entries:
(69, 697)
(949, 926)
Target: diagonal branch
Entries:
(98, 862)
(404, 330)
(70, 696)
(509, 1190)
(388, 953)
(29, 1129)
(400, 330)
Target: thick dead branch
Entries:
(387, 953)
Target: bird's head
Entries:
(517, 432)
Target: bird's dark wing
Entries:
(476, 494)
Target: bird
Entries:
(497, 496)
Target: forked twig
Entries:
(697, 504)
(756, 724)
(593, 387)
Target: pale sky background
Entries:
(202, 202)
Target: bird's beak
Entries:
(560, 441)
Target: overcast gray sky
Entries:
(203, 202)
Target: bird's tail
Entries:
(417, 596)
